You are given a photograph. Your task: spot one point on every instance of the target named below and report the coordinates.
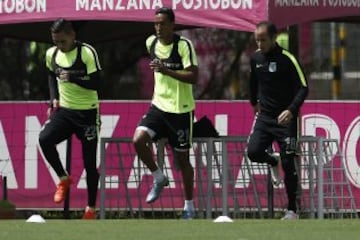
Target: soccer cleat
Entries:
(89, 214)
(156, 190)
(290, 215)
(188, 214)
(274, 170)
(62, 189)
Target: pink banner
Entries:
(235, 14)
(286, 13)
(229, 14)
(31, 183)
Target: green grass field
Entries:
(180, 230)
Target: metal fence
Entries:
(226, 182)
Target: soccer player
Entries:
(74, 107)
(170, 115)
(278, 88)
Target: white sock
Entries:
(89, 209)
(189, 205)
(158, 175)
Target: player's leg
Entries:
(89, 149)
(88, 131)
(150, 128)
(187, 172)
(287, 139)
(142, 143)
(259, 141)
(180, 139)
(56, 130)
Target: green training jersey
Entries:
(171, 95)
(71, 95)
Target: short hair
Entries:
(61, 25)
(270, 27)
(167, 11)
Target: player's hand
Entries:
(53, 108)
(64, 75)
(285, 117)
(156, 65)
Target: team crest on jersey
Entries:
(272, 67)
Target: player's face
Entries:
(163, 27)
(264, 42)
(64, 41)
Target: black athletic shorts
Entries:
(175, 127)
(64, 122)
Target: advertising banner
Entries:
(101, 20)
(31, 182)
(234, 14)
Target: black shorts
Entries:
(175, 127)
(64, 122)
(267, 130)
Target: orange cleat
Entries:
(62, 189)
(89, 214)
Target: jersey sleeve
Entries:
(300, 84)
(48, 56)
(149, 41)
(187, 53)
(91, 59)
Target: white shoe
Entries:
(290, 215)
(188, 214)
(274, 170)
(156, 190)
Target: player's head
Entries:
(164, 23)
(265, 36)
(63, 34)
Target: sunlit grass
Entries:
(180, 230)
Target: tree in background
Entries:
(23, 72)
(36, 82)
(13, 74)
(219, 53)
